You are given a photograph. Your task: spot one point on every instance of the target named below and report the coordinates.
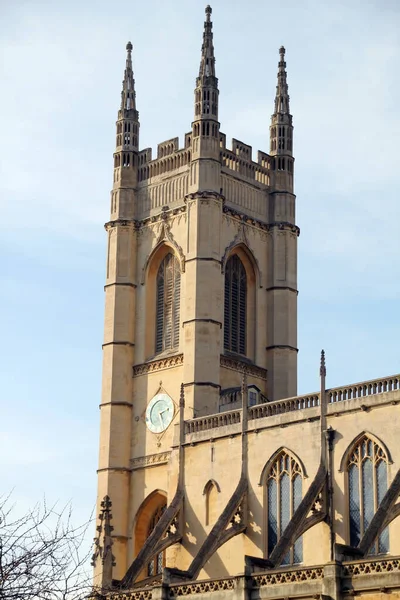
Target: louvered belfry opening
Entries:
(168, 304)
(235, 306)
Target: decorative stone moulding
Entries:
(283, 225)
(371, 567)
(158, 365)
(150, 459)
(290, 576)
(238, 365)
(202, 587)
(121, 222)
(205, 195)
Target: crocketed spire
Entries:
(128, 94)
(282, 94)
(207, 62)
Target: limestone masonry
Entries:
(215, 479)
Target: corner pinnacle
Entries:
(322, 369)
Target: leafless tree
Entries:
(43, 556)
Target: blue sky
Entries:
(61, 72)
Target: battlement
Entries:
(242, 150)
(237, 159)
(167, 148)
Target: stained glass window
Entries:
(156, 565)
(235, 306)
(168, 298)
(284, 494)
(367, 484)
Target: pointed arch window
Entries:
(168, 295)
(367, 485)
(284, 493)
(235, 306)
(157, 563)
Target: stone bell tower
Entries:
(200, 288)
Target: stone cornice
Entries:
(150, 460)
(205, 195)
(164, 214)
(240, 365)
(161, 364)
(119, 223)
(283, 225)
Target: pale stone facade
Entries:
(215, 469)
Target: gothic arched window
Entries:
(168, 295)
(210, 492)
(157, 563)
(235, 306)
(284, 493)
(367, 485)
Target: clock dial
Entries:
(159, 413)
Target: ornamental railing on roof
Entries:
(211, 421)
(201, 587)
(297, 403)
(294, 575)
(364, 389)
(371, 566)
(283, 406)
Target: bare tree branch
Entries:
(43, 556)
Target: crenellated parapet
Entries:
(170, 160)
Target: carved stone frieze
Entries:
(119, 222)
(165, 235)
(237, 365)
(145, 594)
(368, 567)
(158, 365)
(289, 576)
(202, 587)
(151, 459)
(282, 225)
(165, 212)
(205, 195)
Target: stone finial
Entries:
(207, 63)
(282, 90)
(244, 382)
(103, 542)
(128, 94)
(322, 369)
(182, 397)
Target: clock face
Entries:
(159, 413)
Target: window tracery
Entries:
(284, 494)
(367, 485)
(168, 291)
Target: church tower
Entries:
(214, 477)
(201, 292)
